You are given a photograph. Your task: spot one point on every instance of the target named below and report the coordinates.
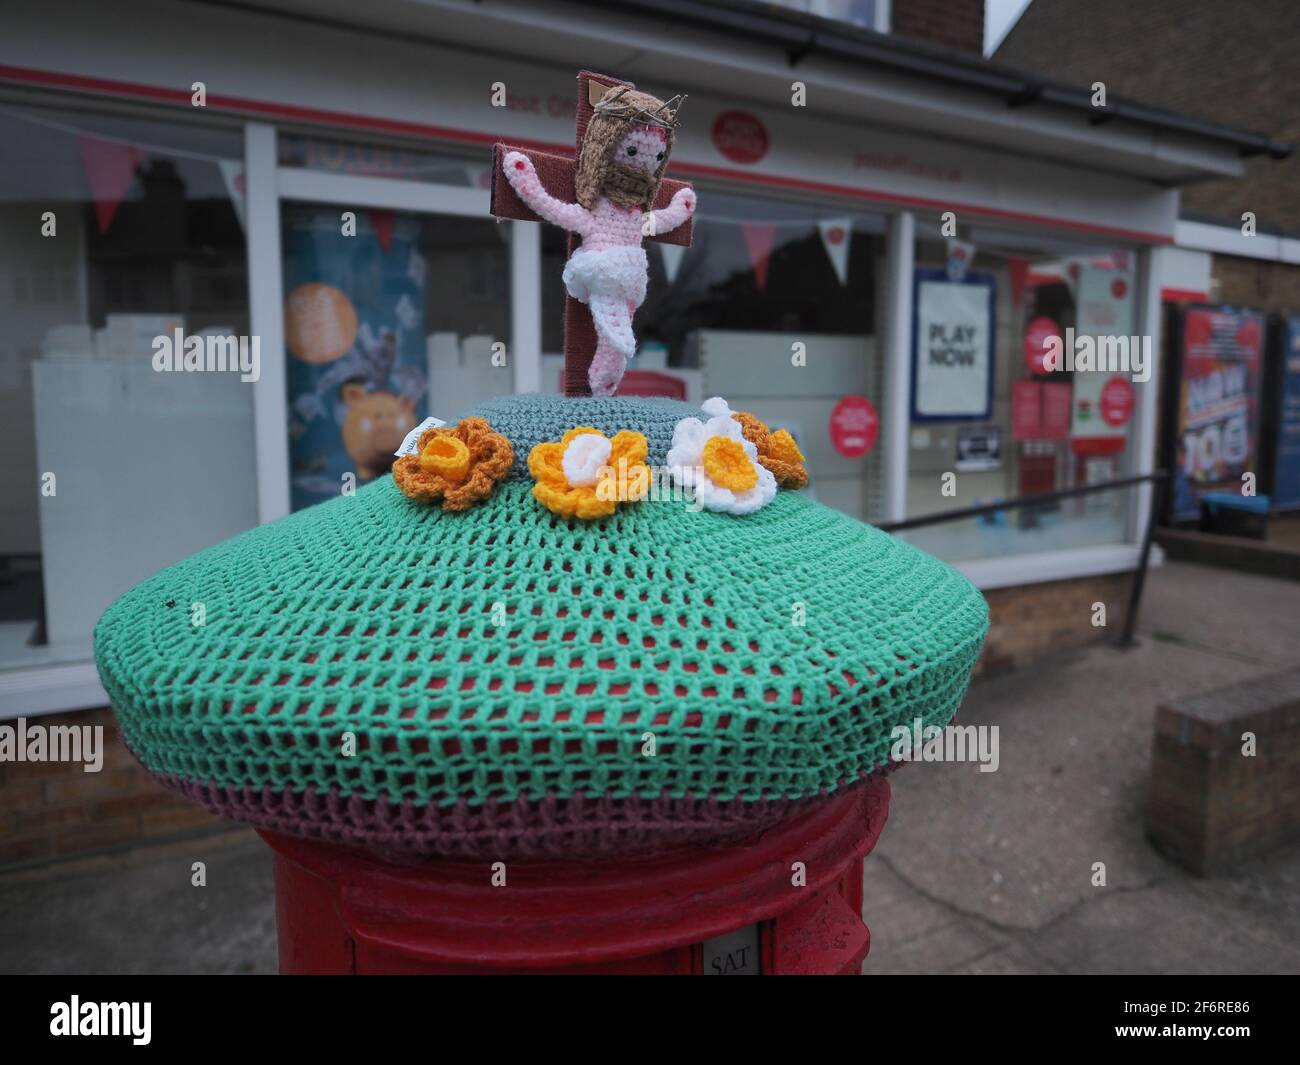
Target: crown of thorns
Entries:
(664, 115)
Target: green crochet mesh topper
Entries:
(382, 671)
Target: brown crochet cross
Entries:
(557, 174)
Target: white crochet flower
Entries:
(717, 407)
(715, 461)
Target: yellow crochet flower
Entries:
(586, 475)
(776, 450)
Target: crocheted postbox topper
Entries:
(501, 680)
(563, 626)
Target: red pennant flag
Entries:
(759, 239)
(110, 169)
(383, 221)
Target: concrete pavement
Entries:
(994, 872)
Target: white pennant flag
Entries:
(835, 239)
(232, 173)
(672, 254)
(961, 253)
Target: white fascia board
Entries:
(663, 53)
(1229, 240)
(50, 690)
(1183, 271)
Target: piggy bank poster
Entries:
(355, 333)
(1218, 403)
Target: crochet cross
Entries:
(557, 173)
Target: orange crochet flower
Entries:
(459, 464)
(586, 475)
(776, 450)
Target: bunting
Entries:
(110, 170)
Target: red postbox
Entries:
(785, 901)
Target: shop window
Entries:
(990, 421)
(774, 306)
(121, 240)
(390, 316)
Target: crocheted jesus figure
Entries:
(623, 158)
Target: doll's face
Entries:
(643, 148)
(630, 178)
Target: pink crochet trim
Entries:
(547, 829)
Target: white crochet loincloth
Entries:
(607, 280)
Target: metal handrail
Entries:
(1157, 478)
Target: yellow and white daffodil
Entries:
(713, 459)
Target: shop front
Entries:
(883, 288)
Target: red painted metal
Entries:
(341, 910)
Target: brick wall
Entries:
(951, 23)
(1220, 60)
(51, 810)
(1269, 286)
(1038, 619)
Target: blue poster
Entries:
(1218, 404)
(1286, 475)
(355, 333)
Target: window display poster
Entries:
(1026, 410)
(979, 449)
(1103, 402)
(1040, 410)
(1105, 301)
(1098, 469)
(952, 347)
(1103, 407)
(1056, 410)
(1286, 470)
(354, 329)
(1218, 403)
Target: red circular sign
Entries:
(1116, 401)
(854, 426)
(740, 136)
(1119, 288)
(1037, 333)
